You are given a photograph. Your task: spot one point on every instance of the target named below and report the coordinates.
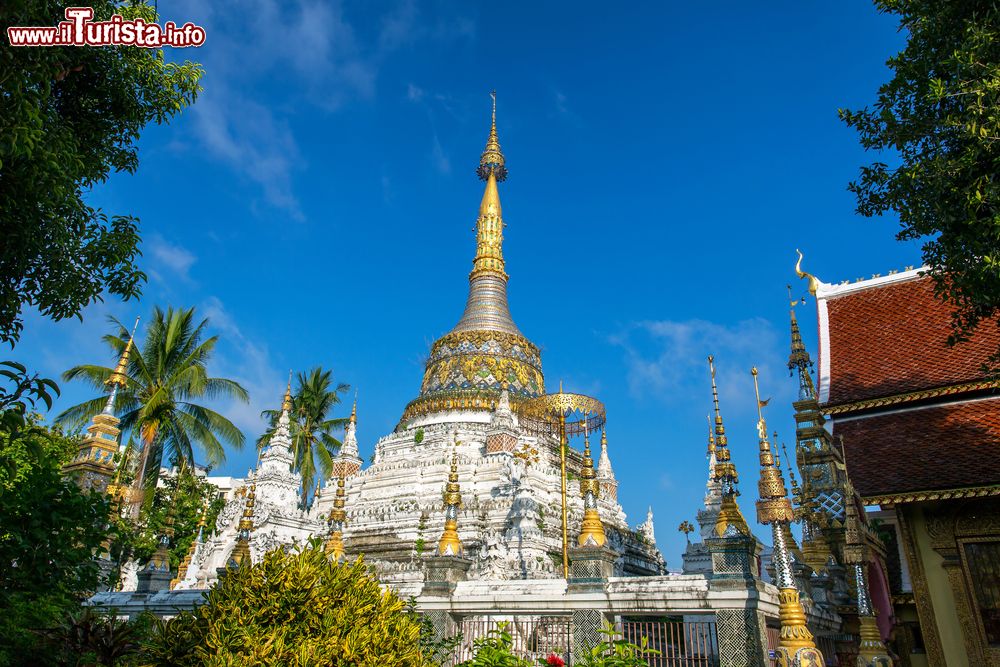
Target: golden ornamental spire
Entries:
(119, 377)
(334, 546)
(492, 160)
(489, 226)
(730, 518)
(241, 552)
(286, 404)
(592, 530)
(450, 544)
(354, 408)
(796, 645)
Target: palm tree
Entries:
(686, 528)
(166, 375)
(312, 428)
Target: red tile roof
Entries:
(890, 339)
(925, 449)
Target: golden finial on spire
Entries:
(725, 470)
(730, 520)
(354, 408)
(286, 404)
(492, 160)
(119, 377)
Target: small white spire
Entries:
(604, 470)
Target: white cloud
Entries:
(252, 142)
(439, 158)
(169, 261)
(307, 53)
(247, 361)
(668, 360)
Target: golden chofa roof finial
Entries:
(813, 280)
(492, 160)
(119, 377)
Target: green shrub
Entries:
(293, 609)
(616, 652)
(495, 650)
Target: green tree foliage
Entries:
(161, 401)
(69, 118)
(49, 531)
(939, 120)
(182, 495)
(293, 609)
(312, 427)
(87, 638)
(21, 392)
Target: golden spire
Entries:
(774, 508)
(354, 408)
(730, 517)
(119, 377)
(450, 544)
(241, 552)
(592, 530)
(286, 404)
(489, 226)
(334, 546)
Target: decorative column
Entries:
(741, 631)
(241, 552)
(872, 651)
(334, 546)
(796, 646)
(448, 567)
(592, 530)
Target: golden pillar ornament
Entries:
(592, 530)
(334, 546)
(450, 544)
(796, 647)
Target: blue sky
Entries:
(666, 159)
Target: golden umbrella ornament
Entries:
(562, 414)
